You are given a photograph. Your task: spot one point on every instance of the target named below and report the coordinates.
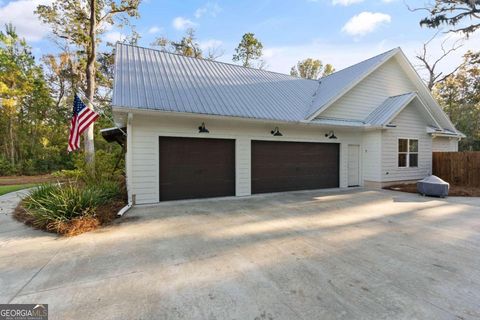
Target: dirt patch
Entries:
(104, 215)
(455, 191)
(11, 180)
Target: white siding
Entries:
(442, 144)
(388, 80)
(147, 129)
(410, 124)
(371, 153)
(243, 166)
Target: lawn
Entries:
(15, 187)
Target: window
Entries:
(407, 153)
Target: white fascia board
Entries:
(423, 87)
(352, 85)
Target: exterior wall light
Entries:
(202, 129)
(330, 135)
(276, 133)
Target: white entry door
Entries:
(353, 165)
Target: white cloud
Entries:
(114, 36)
(345, 2)
(20, 14)
(154, 30)
(365, 22)
(212, 9)
(181, 23)
(210, 44)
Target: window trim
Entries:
(408, 152)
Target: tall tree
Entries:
(311, 69)
(459, 95)
(249, 48)
(81, 23)
(430, 63)
(461, 16)
(187, 46)
(27, 113)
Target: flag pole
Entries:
(101, 112)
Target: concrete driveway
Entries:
(357, 254)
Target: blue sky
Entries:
(340, 32)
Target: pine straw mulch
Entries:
(12, 180)
(104, 215)
(455, 191)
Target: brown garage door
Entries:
(196, 168)
(288, 166)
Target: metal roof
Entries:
(338, 122)
(151, 79)
(333, 85)
(389, 108)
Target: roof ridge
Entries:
(213, 61)
(353, 65)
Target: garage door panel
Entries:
(196, 168)
(288, 166)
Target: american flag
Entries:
(82, 118)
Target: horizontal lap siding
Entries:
(441, 144)
(145, 163)
(372, 142)
(409, 124)
(243, 165)
(388, 80)
(147, 129)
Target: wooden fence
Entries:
(458, 168)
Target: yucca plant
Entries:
(53, 203)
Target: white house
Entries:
(198, 128)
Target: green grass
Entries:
(16, 187)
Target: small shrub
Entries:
(108, 166)
(74, 174)
(6, 168)
(53, 204)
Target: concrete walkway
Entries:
(357, 254)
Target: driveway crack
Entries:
(38, 271)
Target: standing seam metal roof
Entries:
(152, 79)
(389, 108)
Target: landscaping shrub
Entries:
(108, 166)
(6, 168)
(55, 206)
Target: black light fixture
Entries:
(330, 135)
(276, 133)
(202, 129)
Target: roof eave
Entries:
(352, 85)
(124, 110)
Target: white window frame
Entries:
(407, 153)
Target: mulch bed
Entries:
(455, 191)
(104, 215)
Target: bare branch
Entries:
(431, 65)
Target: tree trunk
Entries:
(12, 143)
(91, 52)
